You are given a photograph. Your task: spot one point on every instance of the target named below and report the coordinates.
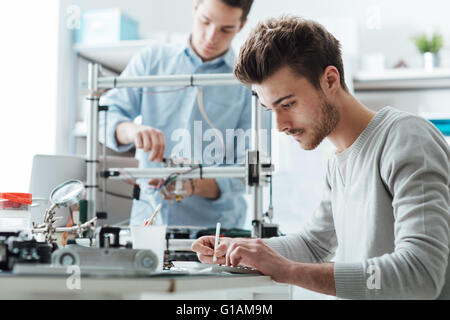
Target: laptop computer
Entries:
(48, 171)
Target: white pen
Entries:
(216, 241)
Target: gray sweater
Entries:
(385, 216)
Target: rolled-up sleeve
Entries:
(229, 188)
(124, 103)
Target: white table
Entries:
(194, 287)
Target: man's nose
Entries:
(212, 34)
(283, 124)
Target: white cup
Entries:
(150, 237)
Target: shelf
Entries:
(402, 79)
(114, 56)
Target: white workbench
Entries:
(193, 287)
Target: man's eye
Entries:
(287, 105)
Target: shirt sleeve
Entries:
(316, 241)
(415, 169)
(124, 103)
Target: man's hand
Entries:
(205, 188)
(257, 254)
(204, 247)
(168, 191)
(253, 253)
(143, 137)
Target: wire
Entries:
(199, 102)
(203, 113)
(97, 93)
(119, 195)
(129, 177)
(172, 177)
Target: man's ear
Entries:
(242, 25)
(330, 79)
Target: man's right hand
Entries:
(144, 137)
(250, 252)
(204, 247)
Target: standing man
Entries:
(170, 115)
(384, 218)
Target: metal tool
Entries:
(65, 195)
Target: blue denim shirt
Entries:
(227, 107)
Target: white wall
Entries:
(28, 87)
(398, 21)
(382, 25)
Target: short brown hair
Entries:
(245, 5)
(303, 45)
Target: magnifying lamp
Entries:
(65, 195)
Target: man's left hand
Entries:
(257, 254)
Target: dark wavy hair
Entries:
(245, 5)
(303, 45)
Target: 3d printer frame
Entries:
(255, 172)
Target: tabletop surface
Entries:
(164, 282)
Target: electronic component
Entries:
(16, 248)
(238, 269)
(198, 267)
(109, 259)
(180, 240)
(109, 255)
(232, 233)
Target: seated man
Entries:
(384, 218)
(174, 119)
